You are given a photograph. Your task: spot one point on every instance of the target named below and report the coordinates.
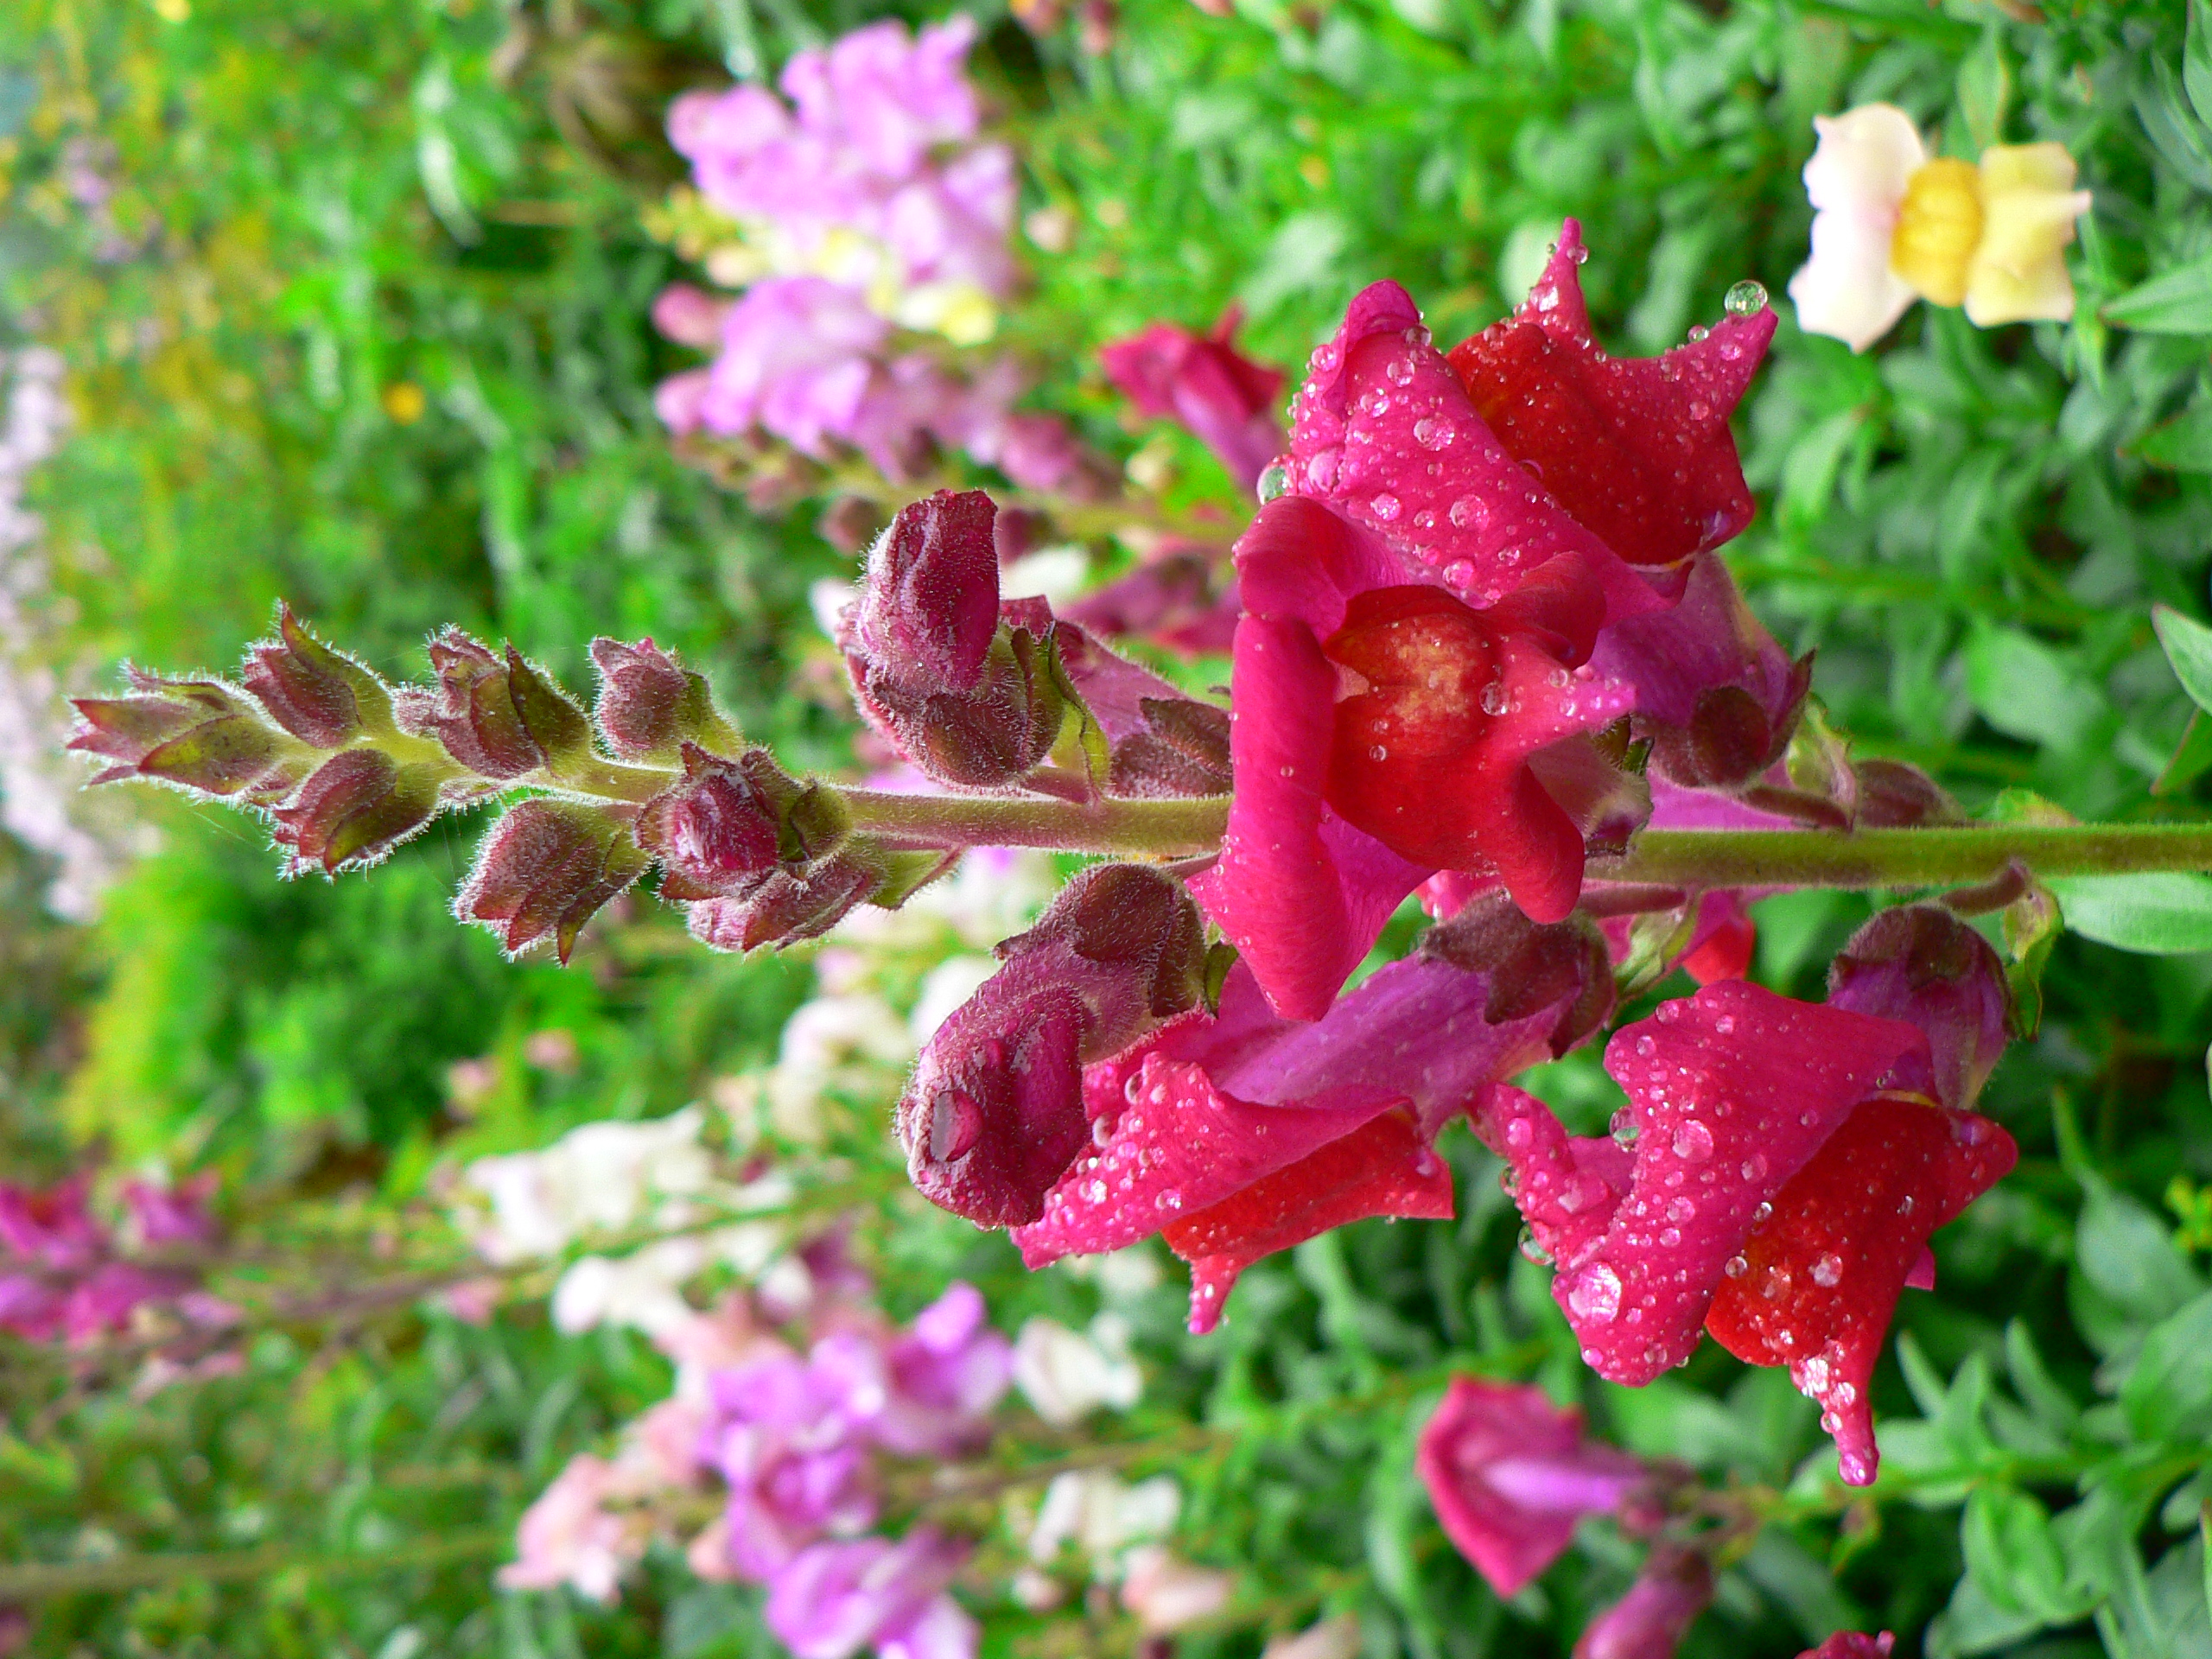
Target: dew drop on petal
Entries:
(1693, 1141)
(1385, 507)
(1745, 299)
(1595, 1294)
(1273, 481)
(1828, 1271)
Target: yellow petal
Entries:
(1938, 227)
(2029, 207)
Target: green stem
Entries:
(30, 1580)
(1903, 858)
(1171, 829)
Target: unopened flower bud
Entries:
(471, 714)
(1730, 738)
(546, 869)
(354, 809)
(1182, 751)
(320, 696)
(649, 703)
(1922, 964)
(995, 1113)
(992, 736)
(930, 605)
(200, 734)
(781, 908)
(713, 833)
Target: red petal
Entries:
(1636, 448)
(1817, 1283)
(1381, 1168)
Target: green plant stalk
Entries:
(1948, 857)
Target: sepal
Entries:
(781, 907)
(321, 696)
(649, 705)
(471, 714)
(201, 735)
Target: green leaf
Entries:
(2158, 913)
(2177, 303)
(1985, 88)
(2168, 1395)
(2196, 59)
(2188, 645)
(2192, 756)
(2128, 1255)
(2182, 444)
(2031, 690)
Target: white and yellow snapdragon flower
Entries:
(1892, 225)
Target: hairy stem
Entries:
(1170, 828)
(1903, 858)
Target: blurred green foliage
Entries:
(353, 296)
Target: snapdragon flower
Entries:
(1891, 225)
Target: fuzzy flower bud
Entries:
(472, 713)
(1920, 964)
(546, 869)
(781, 908)
(199, 734)
(354, 809)
(320, 696)
(714, 833)
(649, 703)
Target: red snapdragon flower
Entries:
(1778, 1170)
(1238, 1133)
(1412, 680)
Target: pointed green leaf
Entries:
(2177, 301)
(2188, 645)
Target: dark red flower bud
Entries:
(1183, 750)
(321, 696)
(781, 908)
(1922, 964)
(354, 809)
(471, 713)
(1894, 796)
(995, 1114)
(546, 869)
(930, 605)
(649, 703)
(714, 833)
(987, 738)
(200, 734)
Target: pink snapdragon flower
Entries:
(831, 1600)
(1511, 1476)
(1778, 1170)
(1205, 382)
(1674, 1586)
(63, 1273)
(570, 1536)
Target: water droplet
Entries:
(1745, 299)
(1699, 332)
(1724, 1024)
(1681, 1209)
(1699, 410)
(1494, 698)
(1581, 256)
(1536, 1252)
(1736, 1267)
(1904, 1205)
(1596, 1294)
(1376, 403)
(1693, 1141)
(1827, 1272)
(1518, 1132)
(1433, 434)
(1624, 1129)
(1321, 470)
(1458, 572)
(1647, 1046)
(1470, 510)
(1760, 1215)
(1273, 481)
(1097, 1191)
(1755, 1167)
(1815, 1375)
(1385, 507)
(1400, 371)
(1378, 752)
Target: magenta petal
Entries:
(1566, 1187)
(1512, 1476)
(1921, 1275)
(1853, 1644)
(1648, 1623)
(1731, 1092)
(1302, 895)
(1707, 639)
